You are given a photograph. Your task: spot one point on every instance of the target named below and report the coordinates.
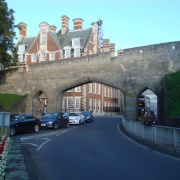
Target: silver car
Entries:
(76, 118)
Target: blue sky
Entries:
(128, 24)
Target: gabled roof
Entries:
(55, 38)
(83, 34)
(28, 42)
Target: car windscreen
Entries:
(74, 114)
(14, 116)
(50, 116)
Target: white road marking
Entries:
(65, 131)
(30, 144)
(42, 144)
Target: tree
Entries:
(7, 36)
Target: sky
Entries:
(128, 24)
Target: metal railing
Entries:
(166, 137)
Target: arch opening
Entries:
(39, 103)
(147, 107)
(98, 98)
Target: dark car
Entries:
(88, 116)
(150, 119)
(54, 120)
(20, 123)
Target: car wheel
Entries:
(56, 126)
(36, 128)
(12, 131)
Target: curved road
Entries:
(94, 151)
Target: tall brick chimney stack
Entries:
(78, 23)
(120, 52)
(23, 27)
(65, 24)
(112, 49)
(52, 28)
(22, 31)
(106, 45)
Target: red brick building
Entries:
(50, 45)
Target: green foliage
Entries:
(8, 100)
(7, 35)
(172, 82)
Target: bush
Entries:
(172, 83)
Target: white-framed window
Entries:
(78, 89)
(69, 103)
(76, 52)
(21, 49)
(90, 104)
(99, 89)
(94, 104)
(105, 91)
(111, 93)
(99, 104)
(67, 50)
(52, 55)
(43, 38)
(20, 58)
(94, 88)
(33, 57)
(108, 91)
(77, 103)
(90, 87)
(67, 53)
(43, 56)
(76, 42)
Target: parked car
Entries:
(54, 120)
(23, 123)
(149, 119)
(76, 118)
(88, 116)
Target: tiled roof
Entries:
(28, 42)
(66, 39)
(55, 38)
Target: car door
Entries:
(30, 122)
(22, 124)
(61, 120)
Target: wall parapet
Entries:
(160, 136)
(168, 47)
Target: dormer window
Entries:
(43, 38)
(75, 42)
(67, 50)
(76, 52)
(21, 49)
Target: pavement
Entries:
(16, 167)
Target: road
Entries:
(94, 151)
